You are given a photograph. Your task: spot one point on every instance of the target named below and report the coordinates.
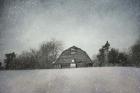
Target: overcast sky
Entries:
(87, 24)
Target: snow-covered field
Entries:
(78, 80)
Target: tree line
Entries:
(109, 56)
(48, 52)
(42, 58)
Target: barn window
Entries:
(72, 60)
(73, 51)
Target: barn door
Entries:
(72, 65)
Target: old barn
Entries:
(73, 57)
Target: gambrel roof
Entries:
(73, 53)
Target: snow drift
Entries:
(77, 80)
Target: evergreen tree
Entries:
(103, 54)
(135, 54)
(9, 60)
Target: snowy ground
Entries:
(80, 80)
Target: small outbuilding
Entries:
(73, 57)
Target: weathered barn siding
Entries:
(73, 57)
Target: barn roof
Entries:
(73, 53)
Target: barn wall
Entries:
(80, 57)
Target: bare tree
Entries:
(48, 53)
(36, 59)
